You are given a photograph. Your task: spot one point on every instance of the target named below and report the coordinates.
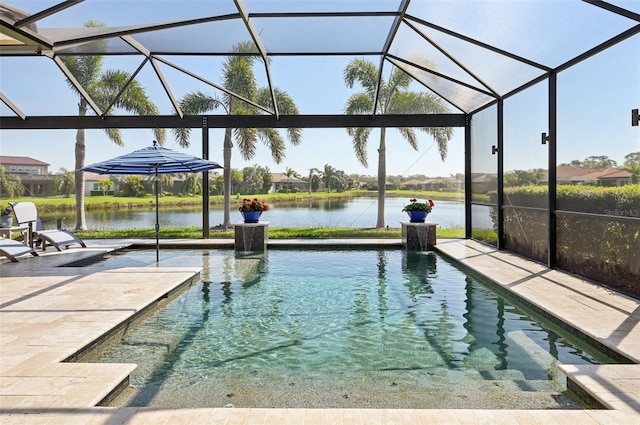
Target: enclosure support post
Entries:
(467, 178)
(552, 235)
(500, 242)
(205, 180)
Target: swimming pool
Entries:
(341, 328)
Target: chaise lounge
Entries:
(26, 213)
(12, 249)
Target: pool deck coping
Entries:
(48, 313)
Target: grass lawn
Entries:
(274, 233)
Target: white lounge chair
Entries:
(11, 249)
(26, 213)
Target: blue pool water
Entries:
(340, 328)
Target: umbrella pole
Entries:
(157, 223)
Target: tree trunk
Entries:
(226, 173)
(80, 151)
(382, 178)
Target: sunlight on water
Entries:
(340, 328)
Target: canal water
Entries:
(355, 212)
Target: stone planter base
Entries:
(418, 236)
(251, 236)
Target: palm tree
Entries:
(240, 80)
(10, 184)
(165, 181)
(267, 180)
(314, 179)
(64, 183)
(328, 175)
(393, 98)
(192, 184)
(103, 87)
(216, 184)
(236, 177)
(290, 172)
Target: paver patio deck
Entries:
(48, 313)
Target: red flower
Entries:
(414, 205)
(252, 205)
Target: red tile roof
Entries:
(20, 160)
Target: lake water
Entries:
(355, 212)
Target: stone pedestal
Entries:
(251, 236)
(418, 236)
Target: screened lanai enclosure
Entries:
(549, 89)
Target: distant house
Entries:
(426, 184)
(577, 175)
(92, 182)
(280, 181)
(484, 182)
(34, 174)
(609, 177)
(415, 184)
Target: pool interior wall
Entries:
(396, 385)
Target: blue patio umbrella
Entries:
(153, 160)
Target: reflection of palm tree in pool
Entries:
(419, 267)
(434, 319)
(485, 317)
(383, 307)
(175, 350)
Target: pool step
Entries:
(67, 385)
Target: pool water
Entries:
(340, 328)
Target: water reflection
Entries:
(356, 212)
(340, 319)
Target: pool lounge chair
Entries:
(11, 249)
(27, 214)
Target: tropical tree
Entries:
(290, 172)
(394, 97)
(314, 180)
(267, 180)
(103, 87)
(523, 178)
(105, 185)
(328, 176)
(165, 181)
(236, 176)
(599, 162)
(10, 184)
(192, 184)
(132, 186)
(216, 184)
(256, 179)
(64, 183)
(240, 83)
(341, 181)
(632, 165)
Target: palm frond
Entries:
(114, 135)
(182, 136)
(359, 103)
(198, 103)
(274, 141)
(246, 141)
(360, 137)
(364, 72)
(409, 135)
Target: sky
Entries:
(594, 112)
